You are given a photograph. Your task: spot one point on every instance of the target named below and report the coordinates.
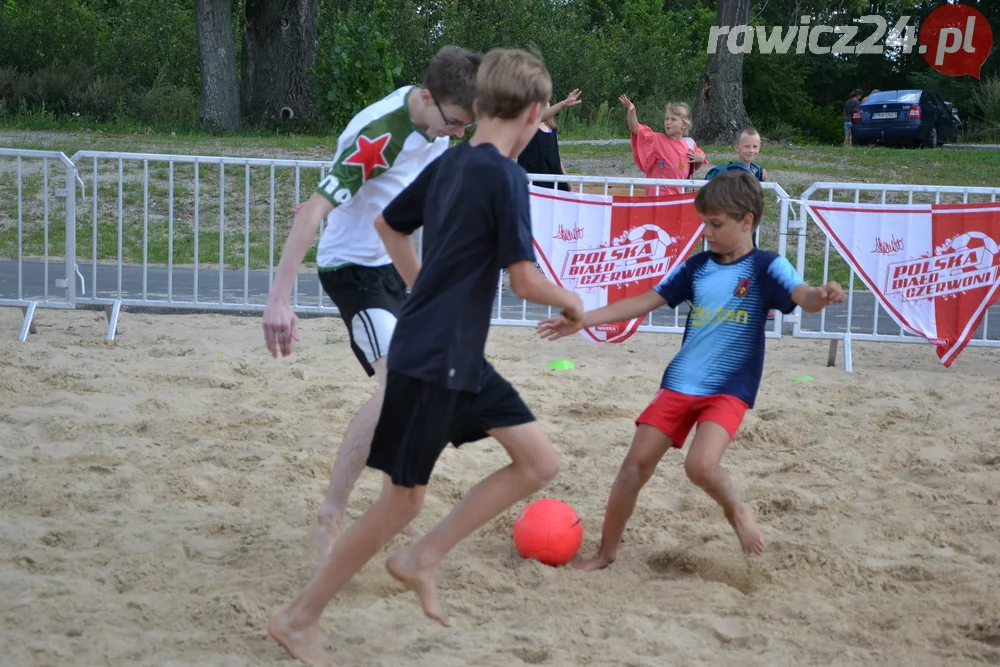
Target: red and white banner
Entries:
(934, 267)
(607, 248)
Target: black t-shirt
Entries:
(849, 107)
(472, 203)
(541, 156)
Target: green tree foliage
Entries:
(356, 63)
(138, 59)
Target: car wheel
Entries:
(931, 138)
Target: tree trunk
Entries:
(279, 50)
(719, 112)
(219, 101)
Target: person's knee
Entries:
(546, 465)
(414, 503)
(639, 467)
(532, 453)
(541, 467)
(701, 471)
(406, 502)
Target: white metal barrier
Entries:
(197, 232)
(37, 238)
(162, 231)
(191, 232)
(862, 318)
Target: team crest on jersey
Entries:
(743, 288)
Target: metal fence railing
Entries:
(862, 318)
(37, 237)
(197, 232)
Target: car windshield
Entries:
(905, 96)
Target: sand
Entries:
(158, 495)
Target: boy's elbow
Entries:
(522, 289)
(383, 229)
(522, 282)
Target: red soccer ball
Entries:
(548, 530)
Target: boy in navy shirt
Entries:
(472, 203)
(714, 377)
(747, 147)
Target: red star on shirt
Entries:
(369, 153)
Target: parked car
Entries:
(911, 117)
(954, 112)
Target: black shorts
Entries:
(369, 299)
(420, 418)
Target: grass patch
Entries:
(235, 248)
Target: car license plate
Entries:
(883, 114)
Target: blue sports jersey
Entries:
(723, 347)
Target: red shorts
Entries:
(675, 414)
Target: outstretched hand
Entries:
(626, 102)
(559, 326)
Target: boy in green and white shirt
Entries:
(379, 153)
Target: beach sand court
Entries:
(159, 494)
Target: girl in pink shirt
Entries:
(670, 155)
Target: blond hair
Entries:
(682, 110)
(747, 132)
(509, 81)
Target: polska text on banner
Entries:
(934, 267)
(607, 248)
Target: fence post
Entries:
(68, 192)
(779, 317)
(70, 257)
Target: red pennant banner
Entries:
(608, 248)
(933, 267)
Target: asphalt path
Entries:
(251, 288)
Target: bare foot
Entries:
(329, 528)
(405, 570)
(598, 562)
(304, 645)
(745, 525)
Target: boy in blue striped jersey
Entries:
(714, 378)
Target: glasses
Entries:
(451, 122)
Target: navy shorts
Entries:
(420, 418)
